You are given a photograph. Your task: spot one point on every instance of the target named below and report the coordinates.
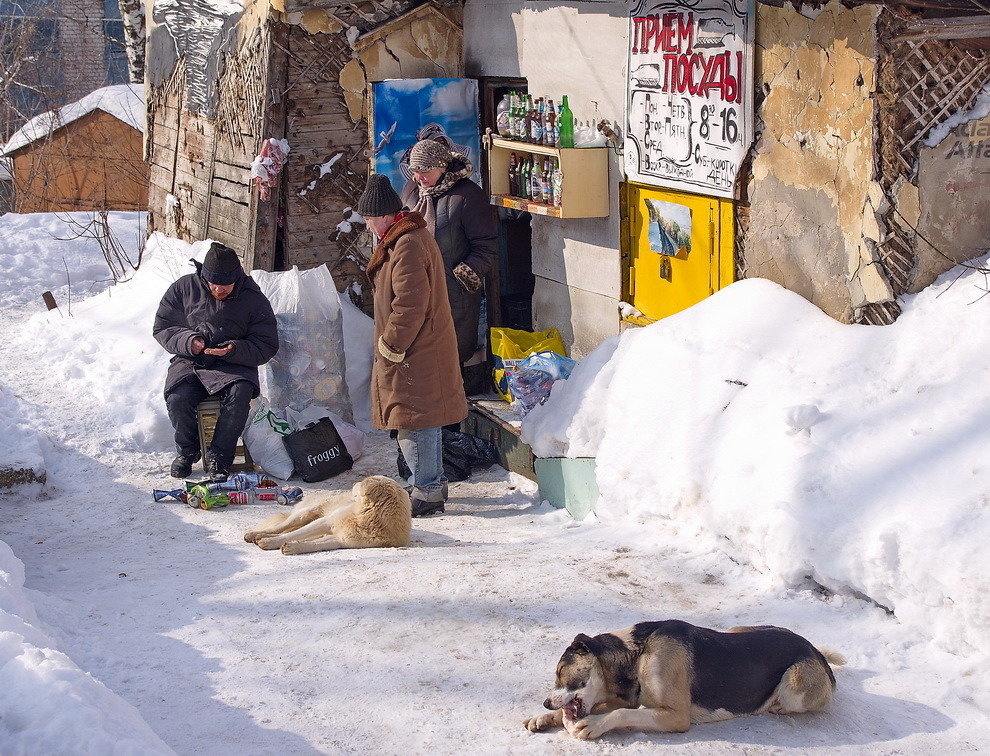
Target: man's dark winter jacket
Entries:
(244, 318)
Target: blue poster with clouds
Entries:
(407, 110)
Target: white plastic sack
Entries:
(309, 366)
(352, 436)
(263, 436)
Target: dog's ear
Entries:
(583, 644)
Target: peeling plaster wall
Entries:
(951, 205)
(427, 47)
(580, 51)
(814, 200)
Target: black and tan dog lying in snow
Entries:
(666, 676)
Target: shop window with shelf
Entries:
(583, 183)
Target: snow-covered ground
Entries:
(740, 486)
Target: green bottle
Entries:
(566, 120)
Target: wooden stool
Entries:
(207, 412)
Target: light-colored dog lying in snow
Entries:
(377, 513)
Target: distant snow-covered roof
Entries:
(122, 101)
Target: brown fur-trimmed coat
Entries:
(412, 316)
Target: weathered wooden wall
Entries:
(327, 167)
(204, 163)
(93, 163)
(302, 76)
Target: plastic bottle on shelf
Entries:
(536, 184)
(566, 120)
(502, 115)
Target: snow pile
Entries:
(856, 456)
(53, 252)
(124, 102)
(47, 701)
(20, 447)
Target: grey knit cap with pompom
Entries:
(379, 198)
(428, 154)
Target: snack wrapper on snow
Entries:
(309, 366)
(266, 166)
(534, 377)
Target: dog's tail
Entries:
(832, 657)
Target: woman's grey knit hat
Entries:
(428, 154)
(379, 198)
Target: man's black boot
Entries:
(422, 508)
(182, 465)
(216, 471)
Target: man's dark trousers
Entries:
(235, 403)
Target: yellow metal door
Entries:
(680, 248)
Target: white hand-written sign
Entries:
(689, 108)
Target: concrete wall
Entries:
(577, 49)
(813, 194)
(951, 205)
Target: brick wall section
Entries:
(81, 44)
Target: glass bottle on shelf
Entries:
(513, 174)
(558, 183)
(536, 123)
(566, 120)
(550, 126)
(523, 188)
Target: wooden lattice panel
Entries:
(920, 84)
(327, 167)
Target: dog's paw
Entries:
(252, 536)
(541, 722)
(293, 547)
(589, 728)
(269, 544)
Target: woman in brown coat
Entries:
(416, 385)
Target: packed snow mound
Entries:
(49, 704)
(756, 417)
(53, 252)
(125, 102)
(21, 455)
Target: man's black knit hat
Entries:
(221, 265)
(379, 197)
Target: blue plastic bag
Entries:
(534, 376)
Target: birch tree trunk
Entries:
(132, 14)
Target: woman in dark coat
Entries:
(457, 213)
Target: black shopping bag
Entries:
(318, 452)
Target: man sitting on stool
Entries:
(220, 327)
